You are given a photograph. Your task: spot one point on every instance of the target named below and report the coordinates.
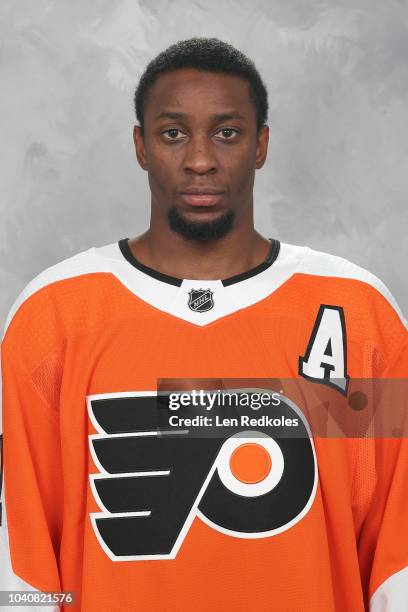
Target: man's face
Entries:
(200, 148)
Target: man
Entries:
(103, 497)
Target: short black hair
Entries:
(208, 54)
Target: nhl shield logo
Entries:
(200, 300)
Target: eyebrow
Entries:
(216, 117)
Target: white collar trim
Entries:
(225, 299)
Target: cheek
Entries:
(243, 176)
(240, 167)
(161, 171)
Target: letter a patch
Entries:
(325, 360)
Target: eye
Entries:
(171, 134)
(228, 133)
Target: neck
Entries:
(166, 251)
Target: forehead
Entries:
(197, 91)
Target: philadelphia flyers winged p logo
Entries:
(152, 483)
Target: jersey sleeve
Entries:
(383, 541)
(32, 495)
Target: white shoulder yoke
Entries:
(320, 263)
(292, 259)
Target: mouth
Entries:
(201, 196)
(206, 198)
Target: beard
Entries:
(201, 230)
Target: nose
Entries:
(199, 157)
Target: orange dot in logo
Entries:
(250, 463)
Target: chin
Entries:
(202, 226)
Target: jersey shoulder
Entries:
(78, 276)
(79, 264)
(356, 282)
(76, 295)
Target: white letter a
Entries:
(326, 354)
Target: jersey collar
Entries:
(173, 280)
(201, 302)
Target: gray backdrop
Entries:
(336, 177)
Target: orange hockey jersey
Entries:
(109, 495)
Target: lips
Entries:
(201, 199)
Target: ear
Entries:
(140, 147)
(262, 146)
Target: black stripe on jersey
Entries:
(272, 255)
(173, 280)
